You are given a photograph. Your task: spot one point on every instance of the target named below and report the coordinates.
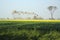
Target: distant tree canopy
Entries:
(52, 10)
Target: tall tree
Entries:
(52, 10)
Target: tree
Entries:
(52, 10)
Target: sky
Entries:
(40, 7)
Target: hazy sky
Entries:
(37, 6)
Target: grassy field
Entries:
(29, 29)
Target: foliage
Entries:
(29, 30)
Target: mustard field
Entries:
(34, 20)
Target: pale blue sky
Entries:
(37, 6)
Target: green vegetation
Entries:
(17, 30)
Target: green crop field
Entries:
(29, 30)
